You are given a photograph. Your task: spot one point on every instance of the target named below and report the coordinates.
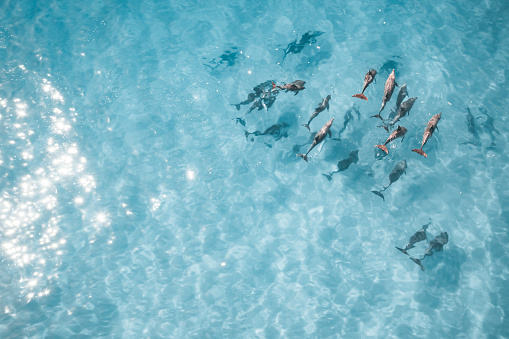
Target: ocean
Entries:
(151, 188)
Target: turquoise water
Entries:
(133, 205)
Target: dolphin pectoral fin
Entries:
(328, 176)
(396, 84)
(329, 133)
(418, 262)
(402, 250)
(379, 193)
(240, 121)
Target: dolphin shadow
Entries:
(306, 39)
(227, 59)
(444, 268)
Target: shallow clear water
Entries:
(132, 204)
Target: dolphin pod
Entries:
(264, 95)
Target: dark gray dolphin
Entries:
(347, 118)
(368, 78)
(395, 174)
(428, 132)
(402, 94)
(399, 132)
(321, 107)
(319, 137)
(418, 236)
(345, 163)
(274, 130)
(403, 110)
(435, 245)
(296, 86)
(472, 129)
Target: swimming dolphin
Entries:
(395, 174)
(428, 132)
(402, 94)
(368, 78)
(472, 130)
(274, 130)
(306, 39)
(296, 86)
(321, 107)
(389, 88)
(347, 118)
(399, 132)
(435, 245)
(227, 57)
(418, 236)
(404, 108)
(345, 163)
(250, 98)
(319, 137)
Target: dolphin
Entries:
(472, 129)
(347, 118)
(399, 132)
(321, 107)
(402, 94)
(395, 174)
(274, 130)
(258, 90)
(428, 132)
(418, 236)
(345, 163)
(319, 137)
(296, 86)
(368, 78)
(306, 39)
(388, 90)
(435, 245)
(403, 109)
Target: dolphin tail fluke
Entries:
(303, 156)
(307, 126)
(383, 148)
(420, 151)
(402, 250)
(418, 262)
(379, 193)
(328, 176)
(360, 96)
(377, 116)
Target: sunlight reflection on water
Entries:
(33, 238)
